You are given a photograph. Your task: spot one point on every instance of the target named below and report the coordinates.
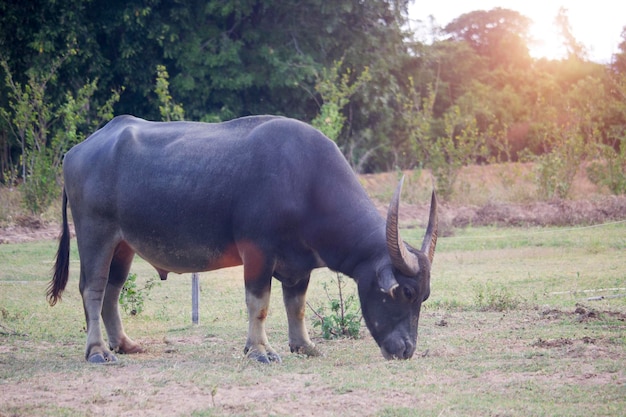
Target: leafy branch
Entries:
(344, 318)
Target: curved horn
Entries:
(430, 238)
(402, 259)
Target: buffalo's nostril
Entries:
(409, 349)
(398, 349)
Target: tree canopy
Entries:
(225, 59)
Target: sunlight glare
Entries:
(546, 42)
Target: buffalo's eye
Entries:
(409, 293)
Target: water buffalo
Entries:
(269, 193)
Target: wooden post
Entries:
(195, 296)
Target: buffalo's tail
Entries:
(62, 264)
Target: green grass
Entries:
(552, 266)
(508, 330)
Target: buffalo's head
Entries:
(392, 301)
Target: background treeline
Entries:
(352, 68)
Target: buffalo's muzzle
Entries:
(397, 348)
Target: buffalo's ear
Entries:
(387, 281)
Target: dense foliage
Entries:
(390, 99)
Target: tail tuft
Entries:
(62, 264)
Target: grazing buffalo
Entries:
(269, 193)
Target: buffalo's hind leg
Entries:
(96, 252)
(104, 265)
(119, 342)
(294, 297)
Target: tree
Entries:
(619, 59)
(248, 57)
(608, 167)
(46, 130)
(574, 48)
(225, 59)
(232, 58)
(501, 35)
(444, 145)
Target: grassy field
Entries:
(520, 322)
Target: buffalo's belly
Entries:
(184, 258)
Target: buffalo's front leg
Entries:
(258, 279)
(257, 345)
(294, 297)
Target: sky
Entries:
(597, 24)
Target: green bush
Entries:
(610, 171)
(132, 297)
(41, 188)
(556, 167)
(344, 318)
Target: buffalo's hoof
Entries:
(263, 357)
(274, 357)
(102, 358)
(128, 350)
(309, 350)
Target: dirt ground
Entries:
(553, 213)
(146, 387)
(270, 396)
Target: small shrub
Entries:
(41, 187)
(488, 298)
(610, 171)
(170, 110)
(344, 318)
(336, 89)
(553, 176)
(556, 167)
(132, 297)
